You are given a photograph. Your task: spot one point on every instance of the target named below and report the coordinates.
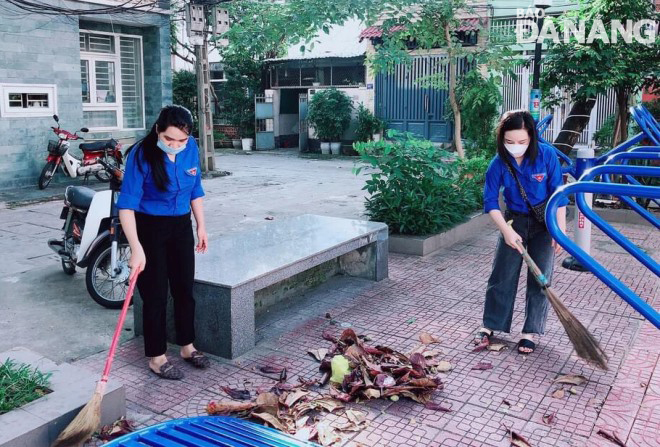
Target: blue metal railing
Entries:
(639, 153)
(646, 122)
(581, 187)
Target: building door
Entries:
(407, 104)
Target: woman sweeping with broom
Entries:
(530, 173)
(161, 186)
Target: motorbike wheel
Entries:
(103, 175)
(69, 267)
(47, 174)
(103, 289)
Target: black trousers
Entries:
(169, 245)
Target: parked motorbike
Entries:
(59, 155)
(92, 239)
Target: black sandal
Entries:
(198, 360)
(525, 343)
(168, 371)
(479, 337)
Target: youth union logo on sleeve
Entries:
(192, 172)
(539, 177)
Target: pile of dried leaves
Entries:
(375, 372)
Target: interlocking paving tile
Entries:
(391, 431)
(489, 427)
(646, 429)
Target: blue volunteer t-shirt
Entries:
(540, 179)
(140, 193)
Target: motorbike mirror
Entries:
(56, 118)
(84, 129)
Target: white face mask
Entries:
(516, 150)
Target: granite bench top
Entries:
(238, 258)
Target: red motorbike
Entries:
(108, 151)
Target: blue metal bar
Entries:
(631, 203)
(568, 168)
(607, 228)
(610, 280)
(542, 125)
(638, 150)
(623, 147)
(646, 122)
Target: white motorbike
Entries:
(92, 239)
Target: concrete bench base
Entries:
(240, 265)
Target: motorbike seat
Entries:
(79, 196)
(98, 145)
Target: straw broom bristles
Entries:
(85, 423)
(586, 346)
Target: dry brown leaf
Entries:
(318, 354)
(427, 338)
(356, 417)
(228, 407)
(571, 379)
(328, 403)
(611, 437)
(268, 403)
(300, 423)
(371, 393)
(558, 393)
(305, 434)
(518, 440)
(272, 420)
(444, 366)
(573, 391)
(290, 399)
(481, 346)
(497, 347)
(326, 434)
(436, 407)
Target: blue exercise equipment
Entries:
(208, 431)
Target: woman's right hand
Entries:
(511, 238)
(137, 262)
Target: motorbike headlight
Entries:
(62, 136)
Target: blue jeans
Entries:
(503, 281)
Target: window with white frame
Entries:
(28, 100)
(111, 81)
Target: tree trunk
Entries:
(458, 142)
(577, 120)
(621, 120)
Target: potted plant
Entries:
(247, 134)
(368, 127)
(330, 114)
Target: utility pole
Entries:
(198, 13)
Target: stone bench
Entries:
(241, 264)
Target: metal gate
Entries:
(515, 95)
(303, 128)
(264, 122)
(407, 106)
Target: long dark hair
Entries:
(172, 115)
(515, 120)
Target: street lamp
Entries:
(535, 94)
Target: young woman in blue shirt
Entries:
(162, 185)
(537, 168)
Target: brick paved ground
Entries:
(443, 294)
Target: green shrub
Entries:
(19, 385)
(330, 113)
(367, 124)
(416, 188)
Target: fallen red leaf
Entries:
(483, 366)
(236, 394)
(549, 419)
(327, 335)
(437, 407)
(271, 369)
(518, 440)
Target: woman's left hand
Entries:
(202, 241)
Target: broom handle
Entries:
(120, 324)
(538, 274)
